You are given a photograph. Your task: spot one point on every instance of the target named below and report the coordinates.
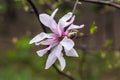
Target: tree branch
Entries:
(62, 73)
(37, 14)
(109, 3)
(44, 29)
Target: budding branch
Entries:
(103, 2)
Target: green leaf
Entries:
(93, 28)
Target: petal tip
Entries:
(70, 13)
(62, 68)
(57, 9)
(31, 42)
(46, 67)
(77, 55)
(39, 54)
(82, 25)
(42, 52)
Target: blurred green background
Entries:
(98, 49)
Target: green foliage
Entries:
(21, 64)
(21, 50)
(93, 65)
(24, 65)
(25, 6)
(2, 7)
(108, 43)
(22, 4)
(42, 2)
(93, 28)
(117, 0)
(23, 43)
(11, 73)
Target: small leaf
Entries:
(93, 28)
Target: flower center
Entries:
(72, 34)
(61, 38)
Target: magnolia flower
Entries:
(58, 40)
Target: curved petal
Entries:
(63, 22)
(62, 61)
(67, 43)
(66, 17)
(75, 27)
(51, 60)
(48, 41)
(54, 12)
(43, 51)
(57, 50)
(48, 21)
(59, 31)
(69, 22)
(53, 56)
(71, 52)
(40, 37)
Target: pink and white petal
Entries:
(75, 27)
(59, 31)
(54, 12)
(63, 22)
(45, 19)
(71, 52)
(49, 41)
(51, 60)
(62, 61)
(66, 17)
(48, 21)
(46, 42)
(67, 43)
(57, 50)
(40, 37)
(43, 51)
(71, 21)
(53, 56)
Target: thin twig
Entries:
(37, 15)
(109, 3)
(62, 73)
(75, 6)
